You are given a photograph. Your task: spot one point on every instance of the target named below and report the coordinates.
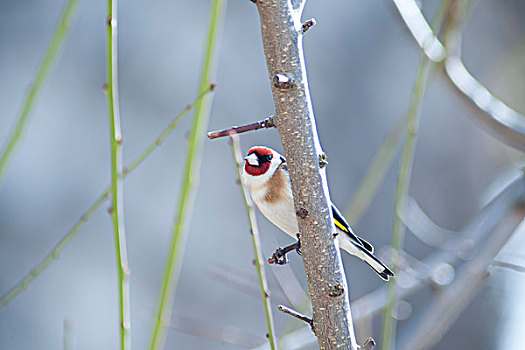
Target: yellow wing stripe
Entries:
(341, 226)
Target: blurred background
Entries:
(361, 64)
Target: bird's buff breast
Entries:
(280, 213)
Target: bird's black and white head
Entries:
(260, 165)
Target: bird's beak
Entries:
(252, 159)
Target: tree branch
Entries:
(281, 29)
(265, 123)
(501, 120)
(477, 231)
(297, 315)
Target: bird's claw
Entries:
(278, 257)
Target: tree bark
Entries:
(282, 34)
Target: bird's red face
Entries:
(258, 161)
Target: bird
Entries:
(265, 174)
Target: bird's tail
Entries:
(368, 257)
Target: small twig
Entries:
(256, 243)
(368, 344)
(297, 315)
(308, 24)
(266, 123)
(510, 266)
(279, 256)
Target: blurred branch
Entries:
(405, 173)
(501, 120)
(290, 289)
(476, 231)
(117, 202)
(242, 282)
(216, 331)
(420, 29)
(189, 181)
(256, 243)
(265, 123)
(54, 253)
(46, 63)
(281, 30)
(510, 266)
(450, 302)
(417, 221)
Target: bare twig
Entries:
(308, 24)
(500, 119)
(510, 266)
(297, 315)
(256, 243)
(282, 36)
(266, 123)
(368, 344)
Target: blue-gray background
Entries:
(361, 64)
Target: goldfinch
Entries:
(266, 175)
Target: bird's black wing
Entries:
(343, 225)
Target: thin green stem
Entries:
(189, 182)
(405, 172)
(46, 63)
(117, 202)
(54, 253)
(256, 243)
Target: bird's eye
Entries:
(266, 158)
